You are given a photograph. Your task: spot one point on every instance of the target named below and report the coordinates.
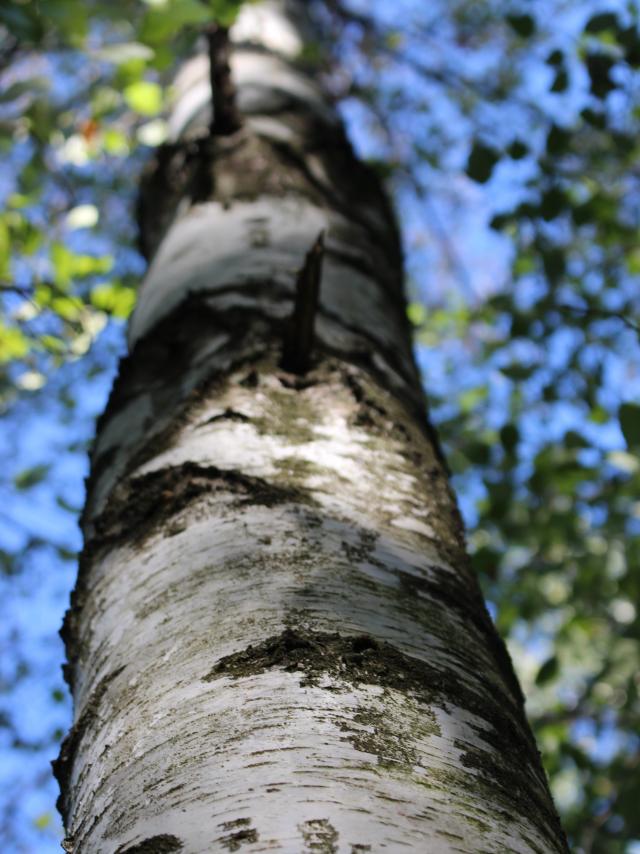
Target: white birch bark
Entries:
(276, 642)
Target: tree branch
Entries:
(225, 119)
(296, 357)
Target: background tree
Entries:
(548, 117)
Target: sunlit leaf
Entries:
(116, 299)
(14, 344)
(144, 97)
(417, 313)
(43, 821)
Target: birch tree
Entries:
(276, 640)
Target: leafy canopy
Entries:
(509, 135)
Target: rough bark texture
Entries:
(276, 641)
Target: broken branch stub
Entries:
(298, 344)
(225, 118)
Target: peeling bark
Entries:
(276, 641)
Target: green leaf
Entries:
(69, 17)
(52, 344)
(558, 140)
(486, 561)
(554, 263)
(547, 671)
(523, 264)
(42, 119)
(594, 118)
(599, 66)
(116, 299)
(555, 58)
(599, 415)
(417, 313)
(115, 142)
(517, 150)
(517, 373)
(472, 397)
(633, 262)
(24, 21)
(68, 265)
(5, 249)
(43, 821)
(144, 97)
(509, 436)
(482, 160)
(225, 12)
(561, 81)
(23, 87)
(573, 439)
(629, 415)
(477, 452)
(630, 40)
(601, 22)
(161, 23)
(522, 25)
(14, 344)
(68, 308)
(552, 203)
(28, 478)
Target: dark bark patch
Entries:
(237, 834)
(249, 166)
(319, 836)
(235, 824)
(165, 843)
(141, 506)
(371, 732)
(359, 659)
(252, 380)
(363, 659)
(62, 765)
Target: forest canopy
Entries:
(508, 134)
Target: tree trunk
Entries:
(276, 641)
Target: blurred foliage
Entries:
(532, 364)
(510, 135)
